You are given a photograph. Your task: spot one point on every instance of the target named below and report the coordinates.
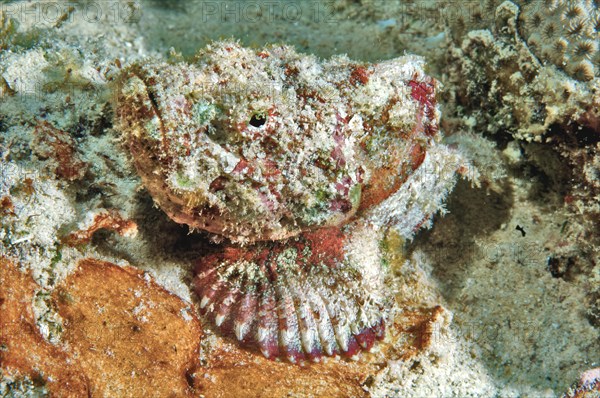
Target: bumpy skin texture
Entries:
(261, 145)
(288, 158)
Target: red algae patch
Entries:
(58, 145)
(130, 336)
(23, 351)
(234, 372)
(110, 219)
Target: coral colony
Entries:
(296, 167)
(563, 33)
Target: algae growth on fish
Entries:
(311, 156)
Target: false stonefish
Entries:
(297, 166)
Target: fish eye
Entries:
(258, 120)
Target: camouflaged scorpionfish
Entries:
(300, 165)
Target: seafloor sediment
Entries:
(501, 297)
